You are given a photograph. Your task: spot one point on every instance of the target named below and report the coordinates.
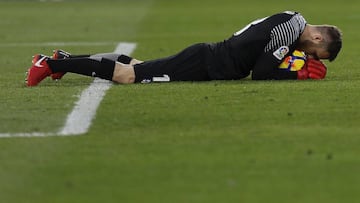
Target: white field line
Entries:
(79, 120)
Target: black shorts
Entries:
(191, 64)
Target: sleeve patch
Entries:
(281, 52)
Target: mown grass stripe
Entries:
(56, 44)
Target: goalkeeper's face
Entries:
(320, 41)
(314, 49)
(319, 54)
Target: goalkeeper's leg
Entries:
(61, 54)
(95, 67)
(122, 58)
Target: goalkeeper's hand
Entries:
(313, 69)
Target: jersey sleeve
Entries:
(282, 43)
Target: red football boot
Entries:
(38, 71)
(59, 54)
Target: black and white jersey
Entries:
(259, 48)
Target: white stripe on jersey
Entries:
(286, 33)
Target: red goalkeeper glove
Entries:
(313, 69)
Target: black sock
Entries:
(124, 59)
(114, 57)
(79, 56)
(103, 68)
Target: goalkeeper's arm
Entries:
(266, 68)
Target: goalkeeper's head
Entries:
(321, 41)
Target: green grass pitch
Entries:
(219, 141)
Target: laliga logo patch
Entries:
(281, 52)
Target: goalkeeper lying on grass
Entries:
(259, 49)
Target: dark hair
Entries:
(334, 41)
